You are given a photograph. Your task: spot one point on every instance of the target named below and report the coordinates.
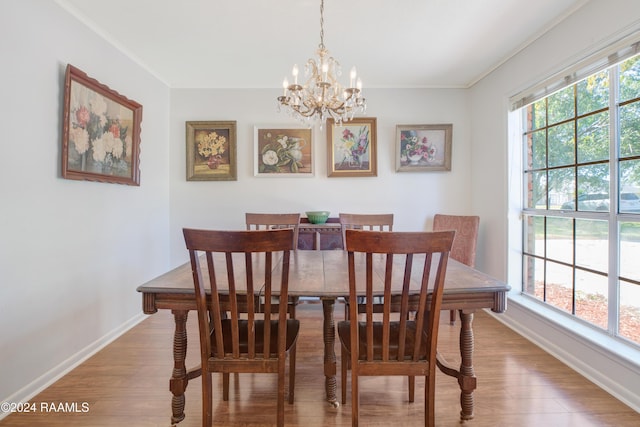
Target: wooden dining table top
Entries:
(324, 274)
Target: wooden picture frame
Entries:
(211, 150)
(101, 132)
(423, 148)
(283, 151)
(352, 148)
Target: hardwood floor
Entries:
(126, 384)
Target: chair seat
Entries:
(344, 332)
(293, 326)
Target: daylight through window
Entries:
(581, 236)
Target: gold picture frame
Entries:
(283, 151)
(211, 150)
(352, 148)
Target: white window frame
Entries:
(608, 362)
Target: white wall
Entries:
(413, 197)
(71, 252)
(590, 28)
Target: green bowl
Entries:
(317, 217)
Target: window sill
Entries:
(592, 335)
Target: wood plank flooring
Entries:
(126, 384)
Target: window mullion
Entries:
(614, 184)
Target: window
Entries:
(581, 213)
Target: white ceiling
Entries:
(254, 43)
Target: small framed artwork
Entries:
(283, 151)
(101, 132)
(423, 147)
(351, 148)
(211, 151)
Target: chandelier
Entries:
(321, 95)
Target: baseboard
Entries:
(616, 372)
(29, 391)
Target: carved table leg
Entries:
(329, 335)
(179, 380)
(467, 377)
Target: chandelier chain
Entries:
(322, 24)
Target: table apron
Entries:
(496, 301)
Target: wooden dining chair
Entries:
(464, 244)
(371, 222)
(235, 264)
(406, 346)
(379, 222)
(266, 221)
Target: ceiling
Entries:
(254, 43)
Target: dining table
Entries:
(323, 274)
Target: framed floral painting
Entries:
(423, 147)
(101, 132)
(351, 148)
(283, 151)
(211, 151)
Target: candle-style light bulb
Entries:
(353, 76)
(285, 85)
(294, 72)
(359, 84)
